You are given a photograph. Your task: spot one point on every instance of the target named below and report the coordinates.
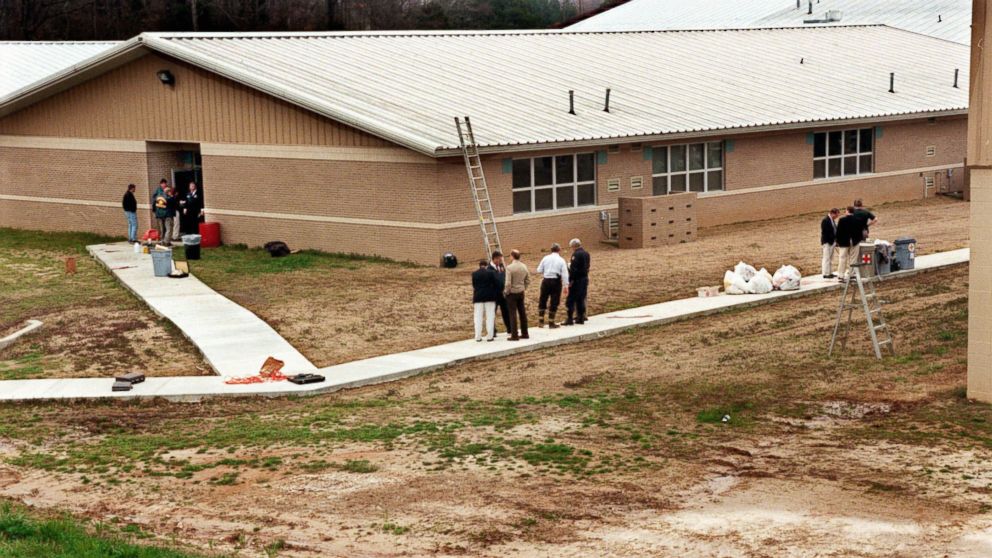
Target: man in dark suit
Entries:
(578, 274)
(499, 268)
(192, 211)
(828, 240)
(484, 300)
(849, 235)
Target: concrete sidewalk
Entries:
(401, 365)
(234, 341)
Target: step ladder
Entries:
(866, 298)
(480, 191)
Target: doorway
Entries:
(190, 171)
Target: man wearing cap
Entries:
(554, 271)
(578, 272)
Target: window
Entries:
(559, 182)
(842, 153)
(694, 167)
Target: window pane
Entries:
(678, 183)
(866, 136)
(587, 166)
(820, 168)
(587, 194)
(850, 165)
(566, 196)
(659, 186)
(865, 164)
(521, 201)
(696, 181)
(850, 141)
(542, 171)
(521, 173)
(697, 153)
(544, 199)
(677, 160)
(820, 144)
(564, 171)
(714, 155)
(659, 160)
(834, 143)
(714, 180)
(833, 167)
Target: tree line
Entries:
(37, 20)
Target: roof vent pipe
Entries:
(810, 12)
(955, 78)
(799, 4)
(606, 108)
(892, 82)
(571, 101)
(939, 18)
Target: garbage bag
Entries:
(759, 284)
(736, 285)
(764, 272)
(786, 278)
(744, 271)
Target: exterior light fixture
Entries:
(166, 77)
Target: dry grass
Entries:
(336, 310)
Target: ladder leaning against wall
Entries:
(477, 183)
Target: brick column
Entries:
(980, 161)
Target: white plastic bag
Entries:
(736, 285)
(787, 278)
(759, 284)
(744, 271)
(764, 272)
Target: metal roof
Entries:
(24, 63)
(944, 19)
(406, 87)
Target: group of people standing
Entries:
(844, 234)
(175, 215)
(496, 285)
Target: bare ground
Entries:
(347, 313)
(609, 448)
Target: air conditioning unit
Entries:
(834, 15)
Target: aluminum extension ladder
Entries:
(865, 298)
(480, 191)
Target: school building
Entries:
(346, 142)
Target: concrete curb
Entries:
(33, 325)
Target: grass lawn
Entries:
(92, 325)
(613, 447)
(337, 308)
(23, 535)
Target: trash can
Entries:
(191, 246)
(162, 262)
(211, 235)
(883, 258)
(905, 257)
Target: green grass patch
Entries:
(25, 536)
(240, 260)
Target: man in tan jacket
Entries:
(517, 280)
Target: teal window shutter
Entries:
(648, 154)
(601, 157)
(728, 146)
(810, 138)
(878, 132)
(507, 166)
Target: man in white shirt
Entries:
(554, 271)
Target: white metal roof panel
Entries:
(407, 87)
(24, 63)
(944, 19)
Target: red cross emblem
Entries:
(866, 258)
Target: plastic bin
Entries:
(191, 246)
(866, 260)
(162, 262)
(211, 235)
(883, 259)
(905, 256)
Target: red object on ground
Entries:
(271, 372)
(209, 235)
(150, 234)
